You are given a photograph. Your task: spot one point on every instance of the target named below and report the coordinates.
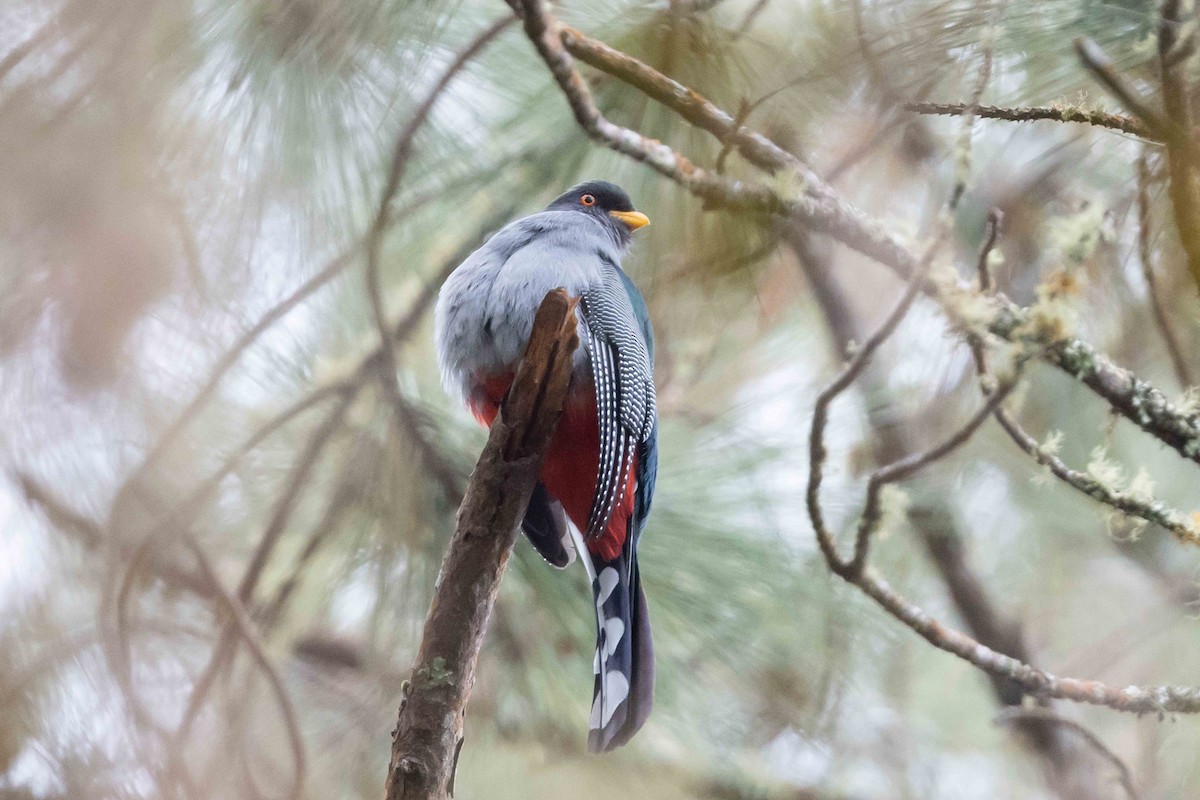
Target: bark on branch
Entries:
(429, 734)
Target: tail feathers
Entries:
(624, 663)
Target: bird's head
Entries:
(605, 202)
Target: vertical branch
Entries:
(429, 731)
(1181, 184)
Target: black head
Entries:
(607, 203)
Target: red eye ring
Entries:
(588, 200)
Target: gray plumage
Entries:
(484, 318)
(485, 312)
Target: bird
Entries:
(596, 485)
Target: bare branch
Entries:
(909, 465)
(1037, 682)
(816, 436)
(245, 630)
(932, 520)
(1133, 699)
(399, 165)
(1084, 116)
(428, 733)
(284, 506)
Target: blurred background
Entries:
(187, 365)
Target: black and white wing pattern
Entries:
(625, 401)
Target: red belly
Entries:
(572, 460)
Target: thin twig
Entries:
(963, 162)
(399, 165)
(245, 630)
(911, 464)
(1145, 254)
(816, 436)
(1137, 699)
(1085, 116)
(280, 517)
(1018, 715)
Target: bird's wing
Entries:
(616, 341)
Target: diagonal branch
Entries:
(428, 733)
(399, 165)
(240, 619)
(814, 204)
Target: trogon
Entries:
(597, 481)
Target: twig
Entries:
(1145, 254)
(816, 435)
(1020, 715)
(428, 732)
(963, 161)
(1084, 116)
(400, 158)
(1163, 128)
(1137, 699)
(331, 270)
(275, 528)
(909, 465)
(245, 630)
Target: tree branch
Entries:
(1037, 682)
(428, 733)
(818, 206)
(400, 157)
(1086, 116)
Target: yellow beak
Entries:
(634, 219)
